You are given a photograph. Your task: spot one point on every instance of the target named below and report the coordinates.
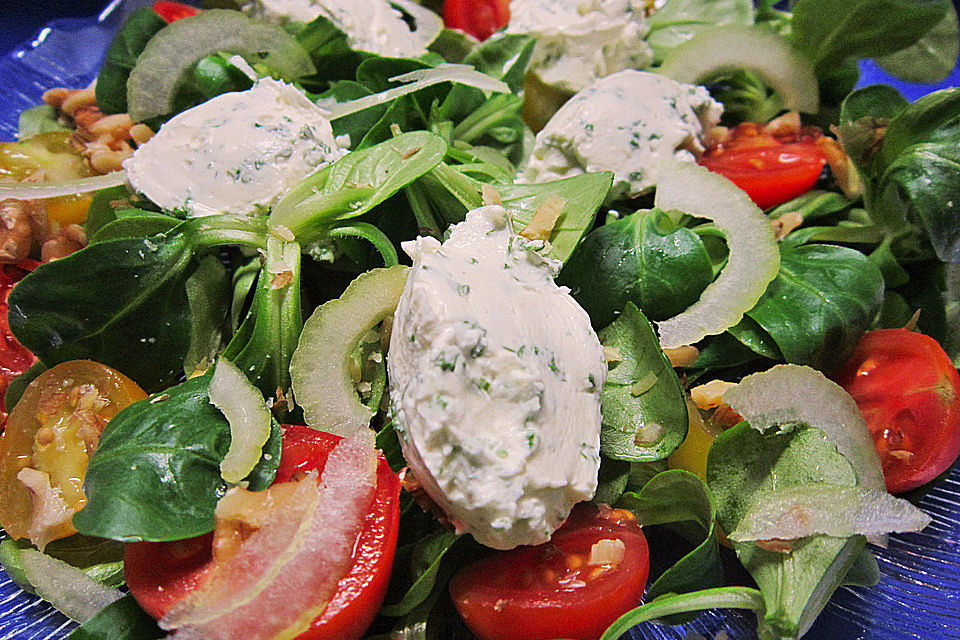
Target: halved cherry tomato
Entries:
(591, 572)
(772, 170)
(909, 392)
(14, 357)
(173, 11)
(479, 18)
(160, 574)
(49, 438)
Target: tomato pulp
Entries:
(172, 11)
(14, 357)
(479, 18)
(567, 588)
(771, 170)
(909, 393)
(160, 574)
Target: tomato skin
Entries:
(479, 18)
(771, 170)
(498, 598)
(14, 357)
(172, 11)
(909, 393)
(160, 574)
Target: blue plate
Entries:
(918, 596)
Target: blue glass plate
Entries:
(917, 598)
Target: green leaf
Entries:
(425, 558)
(504, 56)
(676, 21)
(207, 291)
(931, 58)
(743, 463)
(678, 496)
(454, 45)
(582, 196)
(612, 480)
(644, 258)
(156, 472)
(122, 303)
(820, 303)
(356, 183)
(39, 119)
(127, 45)
(134, 223)
(101, 210)
(833, 32)
(120, 620)
(644, 413)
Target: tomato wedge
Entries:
(771, 170)
(591, 572)
(909, 392)
(172, 11)
(160, 574)
(14, 357)
(479, 18)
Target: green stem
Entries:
(672, 604)
(463, 188)
(216, 231)
(368, 232)
(422, 211)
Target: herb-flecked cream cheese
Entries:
(495, 377)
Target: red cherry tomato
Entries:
(552, 590)
(14, 357)
(909, 392)
(479, 18)
(159, 574)
(173, 11)
(771, 170)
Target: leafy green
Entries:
(122, 303)
(830, 33)
(820, 303)
(102, 208)
(931, 58)
(156, 472)
(120, 620)
(677, 21)
(207, 300)
(742, 464)
(644, 258)
(127, 45)
(422, 560)
(644, 413)
(678, 496)
(504, 56)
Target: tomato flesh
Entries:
(479, 18)
(552, 590)
(771, 170)
(14, 357)
(909, 393)
(172, 11)
(160, 574)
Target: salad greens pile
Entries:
(160, 296)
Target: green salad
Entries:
(398, 320)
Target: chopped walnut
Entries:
(21, 221)
(843, 170)
(785, 126)
(710, 397)
(786, 223)
(65, 241)
(682, 356)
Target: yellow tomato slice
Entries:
(49, 438)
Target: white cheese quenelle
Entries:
(579, 41)
(626, 123)
(236, 153)
(495, 377)
(370, 25)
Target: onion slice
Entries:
(428, 24)
(73, 592)
(821, 508)
(38, 190)
(754, 256)
(789, 393)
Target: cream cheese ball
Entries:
(579, 41)
(627, 123)
(370, 25)
(239, 152)
(495, 377)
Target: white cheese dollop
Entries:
(236, 153)
(370, 25)
(579, 41)
(495, 377)
(626, 123)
